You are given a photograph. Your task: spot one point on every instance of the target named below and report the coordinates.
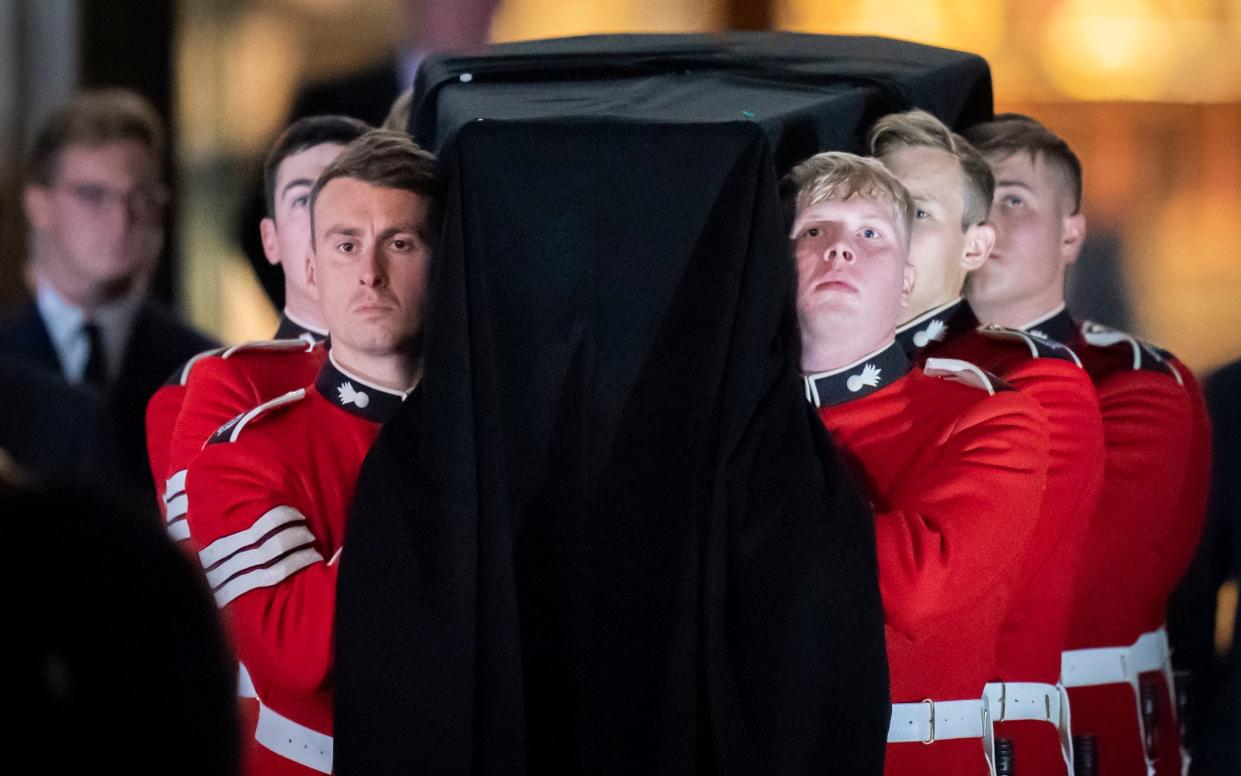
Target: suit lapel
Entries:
(25, 338)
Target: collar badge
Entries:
(350, 395)
(934, 332)
(868, 377)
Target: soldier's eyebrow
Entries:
(1017, 184)
(392, 231)
(341, 229)
(295, 182)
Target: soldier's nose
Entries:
(839, 253)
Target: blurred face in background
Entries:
(98, 227)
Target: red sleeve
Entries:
(960, 527)
(214, 395)
(270, 574)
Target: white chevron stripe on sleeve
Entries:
(288, 538)
(226, 546)
(266, 576)
(179, 531)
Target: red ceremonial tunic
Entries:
(1139, 542)
(956, 474)
(1036, 626)
(164, 407)
(271, 492)
(220, 388)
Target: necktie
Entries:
(96, 373)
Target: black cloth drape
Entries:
(607, 535)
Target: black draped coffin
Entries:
(607, 535)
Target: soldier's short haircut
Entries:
(303, 134)
(93, 118)
(836, 175)
(390, 160)
(1010, 133)
(919, 129)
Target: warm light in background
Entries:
(260, 74)
(969, 25)
(526, 19)
(1109, 50)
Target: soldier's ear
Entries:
(979, 240)
(907, 283)
(271, 246)
(1072, 237)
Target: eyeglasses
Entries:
(144, 201)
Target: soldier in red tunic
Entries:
(1153, 496)
(952, 187)
(953, 460)
(272, 488)
(216, 385)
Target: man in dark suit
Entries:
(94, 199)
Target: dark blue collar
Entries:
(1056, 325)
(936, 325)
(357, 396)
(861, 378)
(291, 328)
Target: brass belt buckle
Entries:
(930, 703)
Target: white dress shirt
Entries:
(64, 322)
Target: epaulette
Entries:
(182, 375)
(271, 346)
(1040, 346)
(232, 429)
(959, 371)
(1146, 357)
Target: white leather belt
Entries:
(1016, 701)
(1118, 665)
(1151, 653)
(245, 687)
(1097, 666)
(1122, 665)
(1032, 701)
(929, 721)
(293, 741)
